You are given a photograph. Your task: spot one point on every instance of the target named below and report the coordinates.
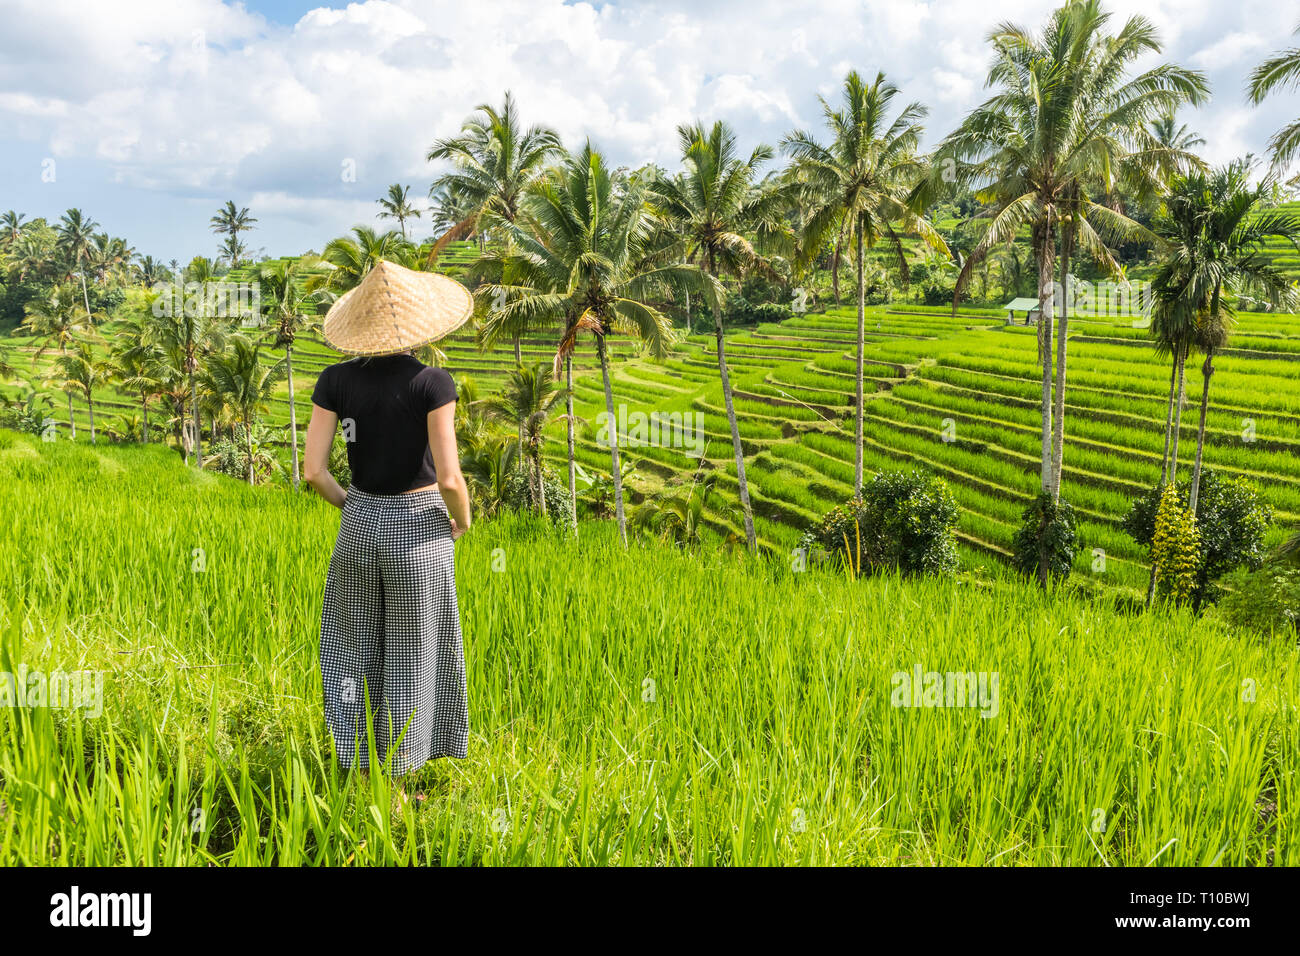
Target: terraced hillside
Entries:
(959, 396)
(955, 395)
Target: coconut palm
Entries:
(240, 378)
(1066, 122)
(526, 401)
(1281, 71)
(11, 228)
(494, 161)
(680, 516)
(712, 205)
(1174, 135)
(592, 259)
(80, 370)
(75, 235)
(348, 259)
(397, 205)
(1220, 228)
(230, 221)
(857, 189)
(57, 320)
(194, 333)
(133, 364)
(290, 311)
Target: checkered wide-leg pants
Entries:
(390, 626)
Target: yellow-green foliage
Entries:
(1175, 548)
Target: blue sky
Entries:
(149, 114)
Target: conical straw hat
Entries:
(395, 309)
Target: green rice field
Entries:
(611, 721)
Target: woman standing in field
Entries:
(390, 625)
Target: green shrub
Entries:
(1049, 527)
(1266, 600)
(1231, 520)
(902, 521)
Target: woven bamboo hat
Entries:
(395, 309)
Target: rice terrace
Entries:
(900, 492)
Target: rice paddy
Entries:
(611, 721)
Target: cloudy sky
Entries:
(148, 114)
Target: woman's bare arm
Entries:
(446, 460)
(316, 457)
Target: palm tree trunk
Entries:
(862, 344)
(1207, 370)
(293, 413)
(1046, 266)
(72, 421)
(541, 487)
(519, 359)
(688, 313)
(1058, 410)
(1169, 420)
(747, 510)
(573, 473)
(198, 426)
(90, 406)
(248, 448)
(1046, 255)
(1178, 414)
(144, 409)
(85, 294)
(616, 474)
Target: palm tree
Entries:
(1174, 135)
(397, 206)
(291, 312)
(81, 371)
(679, 516)
(1220, 230)
(857, 189)
(1065, 123)
(151, 271)
(712, 205)
(11, 227)
(241, 380)
(1281, 71)
(57, 319)
(591, 259)
(193, 333)
(495, 161)
(75, 233)
(527, 401)
(349, 259)
(133, 365)
(230, 221)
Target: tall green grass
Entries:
(638, 707)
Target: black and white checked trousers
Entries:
(390, 626)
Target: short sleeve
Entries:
(323, 393)
(439, 388)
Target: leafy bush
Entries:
(520, 491)
(1231, 521)
(902, 520)
(1266, 600)
(1049, 528)
(741, 311)
(30, 415)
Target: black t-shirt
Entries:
(383, 404)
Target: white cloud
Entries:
(203, 100)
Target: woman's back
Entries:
(383, 404)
